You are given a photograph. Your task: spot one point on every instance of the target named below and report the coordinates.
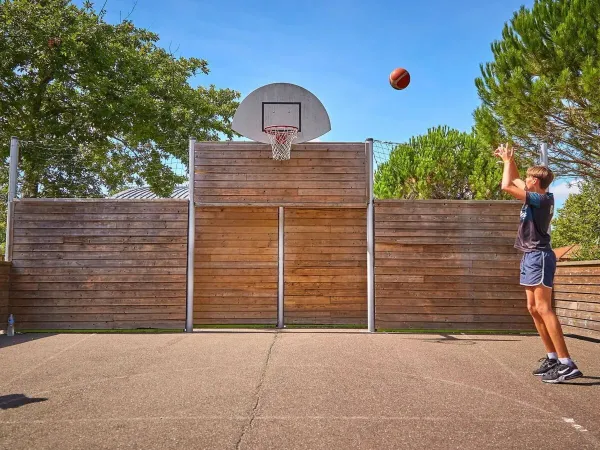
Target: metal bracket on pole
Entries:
(370, 239)
(189, 310)
(12, 192)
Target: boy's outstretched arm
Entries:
(510, 176)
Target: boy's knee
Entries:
(532, 310)
(544, 309)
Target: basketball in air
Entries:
(399, 78)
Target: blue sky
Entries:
(343, 52)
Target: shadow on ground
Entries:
(16, 400)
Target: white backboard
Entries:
(281, 104)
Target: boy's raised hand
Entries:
(505, 152)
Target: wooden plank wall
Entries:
(325, 266)
(236, 272)
(4, 284)
(244, 173)
(448, 265)
(577, 297)
(86, 264)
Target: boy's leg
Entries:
(543, 306)
(538, 321)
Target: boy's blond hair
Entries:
(543, 174)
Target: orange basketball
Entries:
(399, 78)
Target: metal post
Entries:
(544, 155)
(189, 318)
(370, 239)
(280, 283)
(12, 192)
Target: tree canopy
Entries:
(98, 106)
(542, 86)
(578, 222)
(442, 164)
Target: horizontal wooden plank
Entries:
(577, 296)
(104, 262)
(448, 248)
(437, 271)
(99, 295)
(90, 256)
(456, 318)
(381, 286)
(430, 218)
(99, 217)
(588, 289)
(206, 186)
(121, 302)
(327, 199)
(293, 172)
(590, 325)
(578, 314)
(17, 279)
(594, 334)
(267, 154)
(27, 312)
(105, 232)
(382, 255)
(82, 286)
(578, 306)
(381, 322)
(317, 160)
(578, 270)
(453, 310)
(141, 248)
(105, 325)
(103, 224)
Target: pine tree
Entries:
(543, 85)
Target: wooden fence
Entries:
(235, 273)
(4, 283)
(577, 297)
(325, 268)
(448, 265)
(99, 263)
(245, 173)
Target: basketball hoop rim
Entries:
(276, 128)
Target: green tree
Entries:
(442, 164)
(542, 86)
(98, 106)
(578, 222)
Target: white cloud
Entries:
(562, 190)
(315, 140)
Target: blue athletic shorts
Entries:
(538, 267)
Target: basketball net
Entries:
(281, 138)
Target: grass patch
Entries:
(104, 331)
(235, 326)
(325, 326)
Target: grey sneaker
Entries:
(547, 364)
(561, 373)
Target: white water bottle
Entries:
(11, 326)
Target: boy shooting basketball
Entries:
(539, 262)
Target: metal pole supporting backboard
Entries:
(189, 310)
(370, 239)
(12, 192)
(280, 279)
(544, 155)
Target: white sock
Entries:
(552, 356)
(566, 361)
